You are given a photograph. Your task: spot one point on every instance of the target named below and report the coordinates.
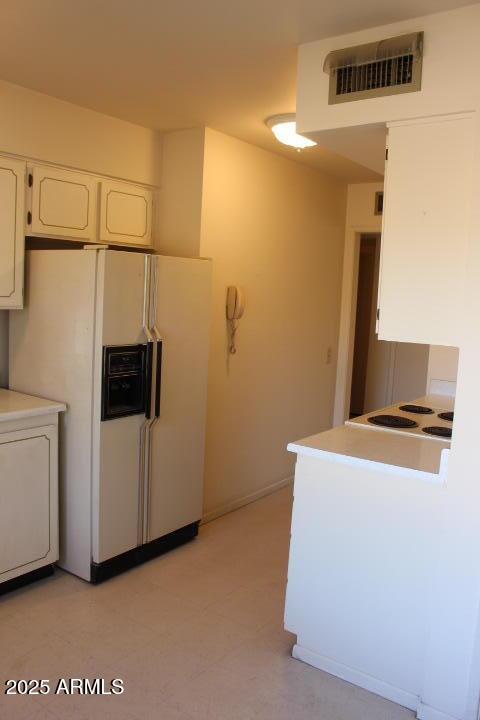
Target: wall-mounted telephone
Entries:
(235, 308)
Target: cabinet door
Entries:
(29, 507)
(126, 214)
(12, 239)
(63, 203)
(425, 230)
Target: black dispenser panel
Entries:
(124, 381)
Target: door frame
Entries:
(348, 314)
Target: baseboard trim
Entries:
(25, 579)
(367, 682)
(246, 500)
(425, 712)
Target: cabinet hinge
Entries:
(30, 179)
(29, 218)
(386, 154)
(378, 313)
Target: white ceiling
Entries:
(227, 64)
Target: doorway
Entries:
(367, 274)
(382, 372)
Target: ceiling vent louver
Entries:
(387, 67)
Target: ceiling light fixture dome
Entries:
(284, 127)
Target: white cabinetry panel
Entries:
(12, 240)
(126, 214)
(425, 229)
(28, 511)
(63, 203)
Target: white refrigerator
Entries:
(121, 338)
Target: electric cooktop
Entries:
(418, 418)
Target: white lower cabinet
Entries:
(29, 497)
(361, 570)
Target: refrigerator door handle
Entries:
(158, 379)
(145, 454)
(151, 338)
(149, 439)
(158, 339)
(151, 315)
(148, 380)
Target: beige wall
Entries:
(442, 363)
(361, 207)
(181, 192)
(410, 374)
(274, 227)
(44, 128)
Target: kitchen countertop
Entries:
(15, 405)
(402, 454)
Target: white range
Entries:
(429, 417)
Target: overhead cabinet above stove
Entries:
(428, 187)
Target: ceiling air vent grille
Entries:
(387, 67)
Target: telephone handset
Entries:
(235, 308)
(235, 303)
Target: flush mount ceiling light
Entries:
(284, 127)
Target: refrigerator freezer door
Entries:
(178, 437)
(117, 488)
(123, 296)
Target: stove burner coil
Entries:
(418, 409)
(446, 415)
(438, 431)
(392, 421)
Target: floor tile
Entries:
(210, 635)
(197, 586)
(253, 607)
(196, 634)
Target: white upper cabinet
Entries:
(12, 239)
(425, 229)
(63, 203)
(125, 214)
(53, 202)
